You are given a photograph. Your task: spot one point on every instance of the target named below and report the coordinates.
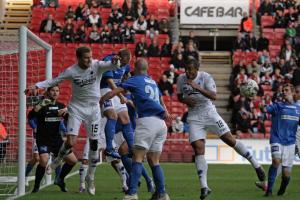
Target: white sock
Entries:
(243, 151)
(93, 159)
(82, 173)
(122, 172)
(201, 167)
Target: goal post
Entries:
(24, 35)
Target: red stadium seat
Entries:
(267, 21)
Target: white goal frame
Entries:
(24, 35)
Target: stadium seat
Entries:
(244, 135)
(267, 21)
(267, 123)
(258, 136)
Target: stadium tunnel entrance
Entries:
(206, 43)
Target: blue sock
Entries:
(128, 135)
(110, 130)
(57, 171)
(271, 177)
(29, 168)
(135, 176)
(145, 175)
(127, 162)
(159, 179)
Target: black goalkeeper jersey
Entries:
(48, 124)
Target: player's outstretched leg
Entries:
(82, 174)
(65, 170)
(30, 166)
(93, 160)
(241, 149)
(149, 181)
(120, 169)
(110, 130)
(40, 170)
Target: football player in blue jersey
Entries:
(285, 120)
(297, 100)
(115, 109)
(151, 129)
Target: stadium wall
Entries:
(219, 153)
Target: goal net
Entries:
(23, 61)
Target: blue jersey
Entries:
(285, 120)
(116, 75)
(145, 96)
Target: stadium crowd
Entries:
(271, 60)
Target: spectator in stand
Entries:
(69, 22)
(94, 19)
(246, 23)
(68, 34)
(140, 25)
(153, 49)
(290, 33)
(290, 3)
(237, 68)
(165, 86)
(127, 33)
(277, 74)
(128, 10)
(79, 13)
(240, 43)
(258, 126)
(267, 67)
(254, 66)
(171, 74)
(177, 125)
(191, 37)
(51, 4)
(80, 34)
(264, 57)
(115, 33)
(48, 25)
(251, 43)
(278, 94)
(164, 26)
(191, 52)
(242, 76)
(262, 43)
(85, 12)
(105, 35)
(70, 14)
(291, 16)
(178, 50)
(297, 27)
(296, 77)
(3, 140)
(141, 48)
(254, 76)
(287, 53)
(243, 124)
(266, 79)
(140, 9)
(94, 36)
(279, 20)
(266, 8)
(178, 62)
(152, 27)
(166, 48)
(115, 16)
(278, 6)
(94, 4)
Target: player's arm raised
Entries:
(113, 86)
(189, 101)
(109, 65)
(111, 94)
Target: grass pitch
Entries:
(232, 182)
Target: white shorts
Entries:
(285, 153)
(90, 116)
(206, 120)
(113, 103)
(150, 133)
(34, 146)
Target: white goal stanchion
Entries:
(24, 60)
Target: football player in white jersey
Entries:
(297, 100)
(84, 107)
(197, 90)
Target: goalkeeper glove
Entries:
(45, 102)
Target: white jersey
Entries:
(205, 81)
(85, 82)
